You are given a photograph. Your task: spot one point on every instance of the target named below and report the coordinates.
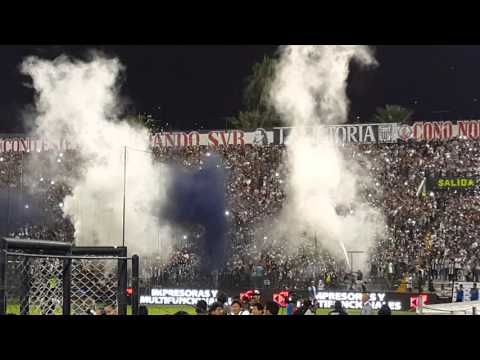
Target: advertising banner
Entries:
(346, 134)
(452, 183)
(386, 133)
(178, 296)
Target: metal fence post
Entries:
(67, 286)
(3, 278)
(135, 284)
(122, 283)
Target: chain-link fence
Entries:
(94, 284)
(35, 285)
(50, 278)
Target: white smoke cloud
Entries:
(309, 91)
(78, 101)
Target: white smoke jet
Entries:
(78, 101)
(309, 92)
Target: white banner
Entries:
(440, 130)
(348, 134)
(354, 300)
(19, 143)
(179, 297)
(212, 138)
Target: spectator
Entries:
(410, 283)
(307, 308)
(222, 299)
(245, 307)
(216, 309)
(338, 309)
(444, 292)
(142, 310)
(110, 310)
(367, 308)
(236, 308)
(201, 307)
(271, 308)
(290, 307)
(312, 291)
(256, 296)
(459, 294)
(257, 309)
(474, 293)
(385, 310)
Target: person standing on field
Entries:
(367, 308)
(459, 295)
(474, 293)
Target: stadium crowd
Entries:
(432, 236)
(36, 217)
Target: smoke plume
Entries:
(78, 101)
(196, 197)
(323, 197)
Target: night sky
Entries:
(196, 86)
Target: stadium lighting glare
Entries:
(38, 150)
(431, 194)
(61, 155)
(208, 154)
(227, 213)
(61, 204)
(265, 238)
(27, 206)
(277, 174)
(1, 158)
(41, 179)
(59, 160)
(52, 182)
(185, 237)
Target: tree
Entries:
(393, 114)
(259, 112)
(249, 120)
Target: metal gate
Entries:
(53, 278)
